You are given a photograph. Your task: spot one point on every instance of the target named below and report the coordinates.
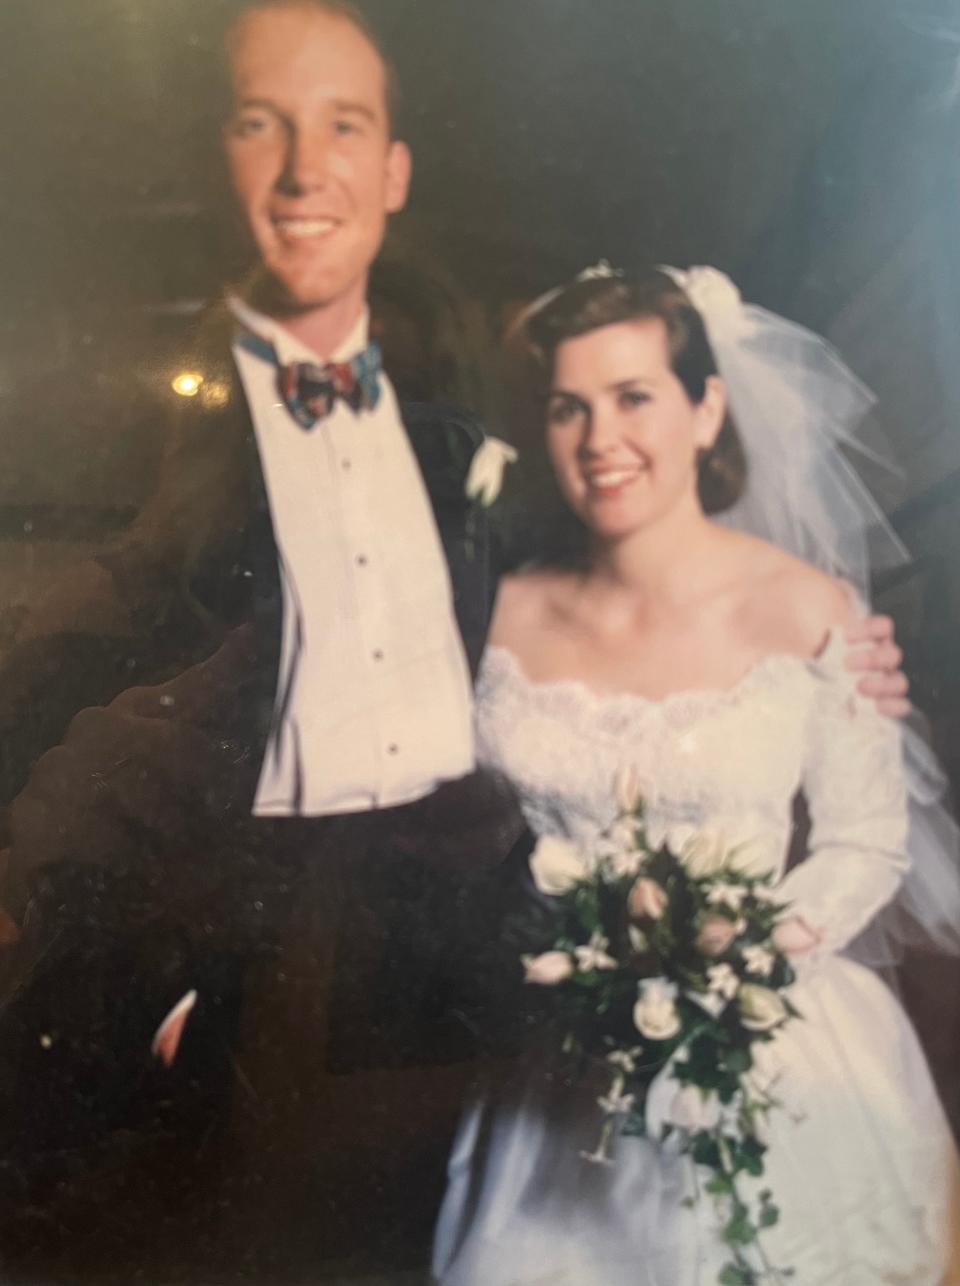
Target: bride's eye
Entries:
(631, 398)
(561, 410)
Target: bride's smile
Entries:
(623, 434)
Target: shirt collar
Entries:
(291, 349)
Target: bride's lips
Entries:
(612, 481)
(295, 229)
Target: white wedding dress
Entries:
(860, 1155)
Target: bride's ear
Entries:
(711, 412)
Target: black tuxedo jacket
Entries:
(172, 891)
(201, 560)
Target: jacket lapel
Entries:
(444, 440)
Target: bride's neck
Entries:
(663, 562)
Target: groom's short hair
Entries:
(349, 13)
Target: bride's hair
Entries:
(605, 299)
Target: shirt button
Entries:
(345, 464)
(393, 748)
(377, 654)
(361, 560)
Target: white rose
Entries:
(655, 1014)
(556, 866)
(485, 476)
(548, 969)
(704, 854)
(760, 1008)
(752, 858)
(677, 837)
(694, 1109)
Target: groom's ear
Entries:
(399, 170)
(711, 412)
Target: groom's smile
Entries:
(310, 150)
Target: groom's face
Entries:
(310, 152)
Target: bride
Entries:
(712, 662)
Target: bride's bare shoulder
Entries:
(526, 600)
(791, 602)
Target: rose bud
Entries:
(716, 934)
(647, 900)
(548, 969)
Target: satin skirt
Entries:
(860, 1162)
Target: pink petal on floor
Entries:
(166, 1040)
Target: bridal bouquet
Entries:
(664, 967)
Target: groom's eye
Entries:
(250, 124)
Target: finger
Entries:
(869, 629)
(884, 686)
(882, 656)
(895, 709)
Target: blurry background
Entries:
(807, 148)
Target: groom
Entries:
(291, 828)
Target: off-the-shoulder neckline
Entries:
(772, 661)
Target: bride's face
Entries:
(622, 433)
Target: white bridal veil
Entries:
(797, 409)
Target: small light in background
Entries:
(187, 383)
(215, 394)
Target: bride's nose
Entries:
(600, 432)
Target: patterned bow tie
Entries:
(310, 389)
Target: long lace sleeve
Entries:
(855, 789)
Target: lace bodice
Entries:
(730, 760)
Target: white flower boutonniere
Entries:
(485, 476)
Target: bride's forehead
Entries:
(621, 350)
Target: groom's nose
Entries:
(306, 162)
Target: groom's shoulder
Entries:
(445, 438)
(443, 422)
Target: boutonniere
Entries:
(485, 475)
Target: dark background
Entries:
(808, 147)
